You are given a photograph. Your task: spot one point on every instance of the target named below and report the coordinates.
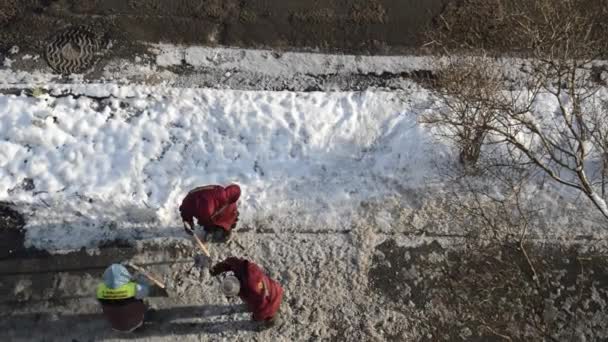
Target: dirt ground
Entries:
(378, 26)
(390, 291)
(362, 284)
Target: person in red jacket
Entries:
(262, 295)
(215, 209)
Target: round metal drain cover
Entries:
(73, 50)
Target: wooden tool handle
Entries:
(147, 275)
(201, 245)
(198, 240)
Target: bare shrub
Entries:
(598, 126)
(551, 124)
(560, 30)
(471, 23)
(494, 26)
(479, 109)
(464, 87)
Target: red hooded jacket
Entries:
(261, 294)
(212, 205)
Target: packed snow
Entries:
(160, 63)
(284, 63)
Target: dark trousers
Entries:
(216, 234)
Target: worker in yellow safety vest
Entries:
(121, 298)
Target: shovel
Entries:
(200, 243)
(152, 277)
(201, 260)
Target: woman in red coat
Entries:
(214, 207)
(262, 295)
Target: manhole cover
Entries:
(74, 50)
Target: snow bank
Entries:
(118, 167)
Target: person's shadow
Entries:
(174, 321)
(162, 322)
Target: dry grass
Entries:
(496, 25)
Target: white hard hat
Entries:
(231, 286)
